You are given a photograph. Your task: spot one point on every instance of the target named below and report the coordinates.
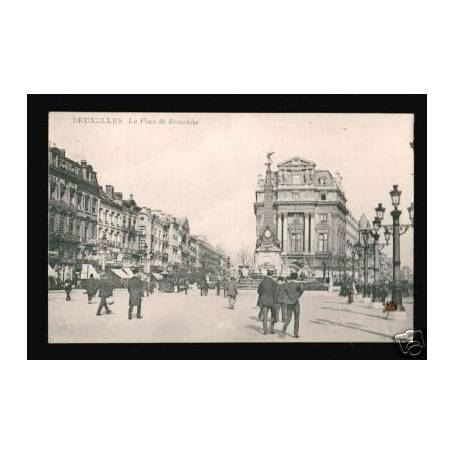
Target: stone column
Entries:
(285, 233)
(278, 228)
(306, 238)
(313, 239)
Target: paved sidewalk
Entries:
(173, 317)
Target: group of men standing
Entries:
(105, 289)
(283, 295)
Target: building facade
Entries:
(302, 212)
(120, 241)
(154, 224)
(73, 200)
(208, 259)
(94, 229)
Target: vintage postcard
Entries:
(230, 227)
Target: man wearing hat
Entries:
(105, 290)
(92, 287)
(294, 290)
(268, 299)
(136, 292)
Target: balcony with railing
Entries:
(63, 236)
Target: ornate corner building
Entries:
(73, 201)
(301, 219)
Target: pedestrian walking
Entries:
(232, 292)
(268, 299)
(282, 301)
(218, 287)
(206, 287)
(92, 287)
(146, 287)
(225, 287)
(68, 285)
(186, 286)
(293, 292)
(105, 290)
(136, 292)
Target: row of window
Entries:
(72, 197)
(116, 219)
(290, 196)
(296, 241)
(65, 224)
(296, 218)
(119, 239)
(299, 178)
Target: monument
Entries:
(267, 256)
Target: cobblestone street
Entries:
(174, 317)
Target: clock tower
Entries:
(267, 255)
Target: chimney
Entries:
(131, 197)
(118, 196)
(110, 191)
(84, 169)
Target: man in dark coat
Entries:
(186, 285)
(92, 287)
(136, 291)
(232, 292)
(68, 286)
(105, 290)
(293, 292)
(268, 299)
(282, 300)
(206, 287)
(218, 287)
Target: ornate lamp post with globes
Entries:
(397, 231)
(365, 244)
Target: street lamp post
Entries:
(364, 240)
(356, 249)
(103, 252)
(397, 230)
(375, 235)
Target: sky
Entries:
(205, 165)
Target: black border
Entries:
(37, 128)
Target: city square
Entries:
(291, 226)
(176, 317)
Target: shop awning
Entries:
(51, 272)
(157, 276)
(129, 272)
(120, 273)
